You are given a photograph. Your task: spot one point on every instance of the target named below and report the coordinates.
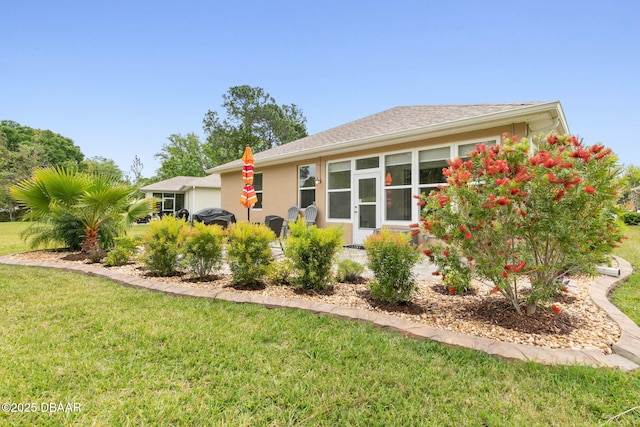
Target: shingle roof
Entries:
(179, 183)
(389, 122)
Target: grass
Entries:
(627, 296)
(133, 357)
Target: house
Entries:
(186, 192)
(364, 174)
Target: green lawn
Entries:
(133, 357)
(627, 295)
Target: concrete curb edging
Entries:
(626, 354)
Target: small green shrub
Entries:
(457, 281)
(631, 218)
(391, 258)
(161, 246)
(125, 248)
(312, 251)
(202, 248)
(248, 252)
(349, 271)
(280, 272)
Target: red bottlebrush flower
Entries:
(455, 164)
(446, 253)
(573, 140)
(503, 181)
(552, 139)
(559, 195)
(414, 225)
(428, 253)
(494, 290)
(446, 171)
(602, 154)
(415, 232)
(421, 203)
(522, 175)
(452, 290)
(581, 153)
(467, 235)
(565, 164)
(556, 309)
(514, 191)
(596, 148)
(589, 189)
(435, 273)
(518, 268)
(463, 228)
(442, 200)
(505, 274)
(503, 201)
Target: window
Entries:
(368, 163)
(169, 202)
(257, 185)
(431, 163)
(464, 149)
(339, 190)
(307, 185)
(398, 187)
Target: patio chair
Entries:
(310, 214)
(274, 222)
(292, 215)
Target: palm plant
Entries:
(73, 207)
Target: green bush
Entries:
(161, 246)
(202, 248)
(631, 218)
(280, 272)
(312, 251)
(248, 252)
(391, 258)
(457, 281)
(125, 248)
(349, 271)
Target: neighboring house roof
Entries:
(403, 124)
(182, 183)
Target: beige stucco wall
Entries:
(280, 182)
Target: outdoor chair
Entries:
(292, 216)
(310, 214)
(274, 222)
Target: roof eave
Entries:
(526, 114)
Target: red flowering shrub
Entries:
(516, 214)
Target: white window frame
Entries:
(340, 190)
(301, 189)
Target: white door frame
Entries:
(367, 213)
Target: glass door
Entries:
(367, 206)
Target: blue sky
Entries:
(119, 77)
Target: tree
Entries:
(135, 170)
(252, 119)
(56, 150)
(71, 207)
(506, 215)
(23, 149)
(630, 179)
(102, 166)
(183, 156)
